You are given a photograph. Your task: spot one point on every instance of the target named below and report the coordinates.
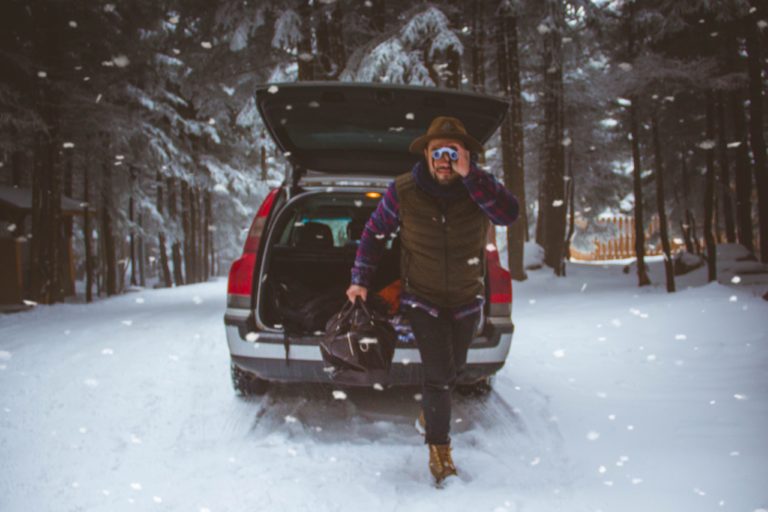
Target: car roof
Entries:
(365, 128)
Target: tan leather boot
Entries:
(440, 462)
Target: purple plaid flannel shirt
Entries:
(492, 197)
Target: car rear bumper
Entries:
(266, 355)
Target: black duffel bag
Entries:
(359, 344)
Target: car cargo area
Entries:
(308, 258)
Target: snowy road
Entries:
(613, 399)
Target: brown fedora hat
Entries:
(444, 127)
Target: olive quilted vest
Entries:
(442, 257)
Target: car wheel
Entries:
(246, 383)
(482, 387)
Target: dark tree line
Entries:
(144, 112)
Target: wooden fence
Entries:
(621, 245)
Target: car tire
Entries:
(482, 387)
(246, 383)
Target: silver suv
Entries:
(345, 143)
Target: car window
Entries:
(324, 222)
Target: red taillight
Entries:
(241, 272)
(499, 279)
(241, 275)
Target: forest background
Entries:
(143, 111)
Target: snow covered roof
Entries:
(13, 198)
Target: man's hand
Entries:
(357, 291)
(461, 166)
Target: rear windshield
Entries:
(326, 221)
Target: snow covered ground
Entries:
(614, 398)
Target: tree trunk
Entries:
(87, 234)
(164, 260)
(756, 127)
(66, 263)
(306, 58)
(512, 135)
(189, 275)
(142, 253)
(134, 282)
(553, 157)
(725, 174)
(709, 190)
(207, 235)
(107, 238)
(642, 274)
(570, 197)
(661, 208)
(685, 224)
(743, 178)
(478, 50)
(178, 275)
(263, 156)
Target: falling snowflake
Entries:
(5, 355)
(624, 102)
(602, 469)
(173, 357)
(543, 28)
(557, 203)
(42, 74)
(490, 248)
(206, 44)
(68, 145)
(583, 287)
(127, 322)
(473, 261)
(535, 461)
(417, 397)
(735, 279)
(121, 61)
(699, 491)
(559, 353)
(681, 337)
(140, 300)
(290, 419)
(410, 116)
(358, 203)
(651, 357)
(531, 301)
(313, 104)
(733, 298)
(73, 24)
(339, 395)
(707, 144)
(136, 486)
(378, 387)
(625, 66)
(91, 383)
(458, 420)
(406, 361)
(637, 481)
(616, 322)
(157, 499)
(107, 352)
(738, 396)
(135, 439)
(252, 337)
(601, 394)
(736, 144)
(197, 300)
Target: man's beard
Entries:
(446, 179)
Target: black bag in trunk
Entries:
(359, 344)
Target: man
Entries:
(442, 208)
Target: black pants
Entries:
(443, 344)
